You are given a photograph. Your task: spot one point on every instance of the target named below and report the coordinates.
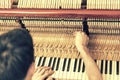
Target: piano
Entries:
(52, 23)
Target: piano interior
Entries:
(52, 24)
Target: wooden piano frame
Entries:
(60, 13)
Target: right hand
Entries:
(81, 40)
(42, 73)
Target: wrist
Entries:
(82, 48)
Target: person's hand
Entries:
(81, 40)
(42, 73)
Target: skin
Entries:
(81, 42)
(40, 73)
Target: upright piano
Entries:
(52, 23)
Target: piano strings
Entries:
(54, 42)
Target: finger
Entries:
(83, 33)
(38, 69)
(47, 74)
(41, 67)
(77, 32)
(41, 73)
(74, 34)
(50, 78)
(45, 69)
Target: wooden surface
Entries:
(55, 13)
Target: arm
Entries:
(81, 41)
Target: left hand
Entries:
(42, 73)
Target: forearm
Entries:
(90, 66)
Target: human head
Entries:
(16, 54)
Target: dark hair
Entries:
(16, 54)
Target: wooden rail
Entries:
(62, 13)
